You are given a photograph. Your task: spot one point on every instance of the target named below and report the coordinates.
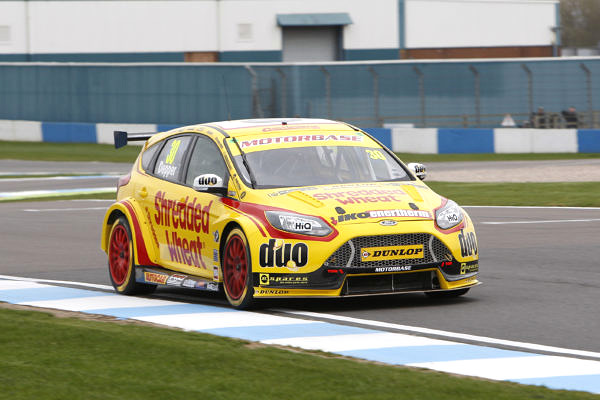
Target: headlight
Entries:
(449, 215)
(296, 223)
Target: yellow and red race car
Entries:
(282, 208)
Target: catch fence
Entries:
(463, 93)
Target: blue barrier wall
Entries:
(443, 141)
(425, 93)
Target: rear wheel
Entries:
(447, 294)
(237, 270)
(121, 265)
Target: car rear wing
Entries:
(122, 138)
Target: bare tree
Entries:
(580, 20)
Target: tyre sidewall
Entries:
(129, 285)
(247, 297)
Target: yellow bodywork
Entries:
(182, 230)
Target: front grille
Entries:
(388, 283)
(349, 255)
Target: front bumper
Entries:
(346, 273)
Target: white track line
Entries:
(449, 335)
(91, 285)
(537, 207)
(63, 209)
(550, 221)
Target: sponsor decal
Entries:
(188, 215)
(261, 291)
(208, 180)
(361, 196)
(215, 256)
(468, 269)
(153, 277)
(277, 253)
(185, 251)
(176, 280)
(298, 139)
(392, 252)
(212, 286)
(215, 273)
(283, 279)
(173, 152)
(188, 283)
(468, 243)
(388, 222)
(216, 237)
(381, 214)
(394, 269)
(183, 215)
(166, 171)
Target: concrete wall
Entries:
(479, 23)
(247, 30)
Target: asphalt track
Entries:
(539, 267)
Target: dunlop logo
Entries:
(391, 252)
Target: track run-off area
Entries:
(535, 319)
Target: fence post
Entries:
(421, 94)
(588, 82)
(477, 98)
(256, 108)
(378, 119)
(327, 90)
(529, 87)
(283, 100)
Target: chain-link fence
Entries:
(424, 94)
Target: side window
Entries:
(170, 160)
(206, 159)
(149, 155)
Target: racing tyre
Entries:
(121, 267)
(237, 270)
(447, 295)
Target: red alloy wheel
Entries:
(119, 255)
(235, 267)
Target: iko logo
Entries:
(468, 244)
(277, 253)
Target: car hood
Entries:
(358, 202)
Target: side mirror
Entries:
(418, 169)
(209, 183)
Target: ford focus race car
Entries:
(282, 208)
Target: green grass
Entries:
(44, 357)
(412, 157)
(40, 151)
(572, 194)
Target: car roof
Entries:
(260, 127)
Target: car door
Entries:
(180, 217)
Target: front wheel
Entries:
(237, 270)
(121, 261)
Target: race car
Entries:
(265, 208)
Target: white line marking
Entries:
(449, 335)
(63, 209)
(57, 178)
(216, 320)
(516, 367)
(550, 221)
(111, 300)
(357, 341)
(91, 285)
(541, 207)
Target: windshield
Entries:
(320, 165)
